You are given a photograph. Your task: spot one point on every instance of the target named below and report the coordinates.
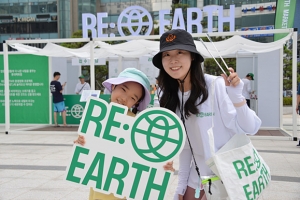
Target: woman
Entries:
(185, 90)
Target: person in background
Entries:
(297, 105)
(247, 87)
(58, 99)
(82, 85)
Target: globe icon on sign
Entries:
(157, 136)
(76, 111)
(132, 19)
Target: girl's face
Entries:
(177, 63)
(127, 94)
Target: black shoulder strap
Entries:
(82, 87)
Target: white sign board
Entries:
(125, 155)
(86, 61)
(89, 93)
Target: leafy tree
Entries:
(76, 45)
(288, 72)
(101, 73)
(288, 69)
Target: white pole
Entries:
(92, 65)
(6, 87)
(294, 85)
(119, 64)
(50, 96)
(281, 89)
(253, 86)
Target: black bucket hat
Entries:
(175, 39)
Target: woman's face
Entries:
(127, 94)
(177, 63)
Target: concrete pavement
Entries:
(32, 167)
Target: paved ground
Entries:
(32, 166)
(75, 128)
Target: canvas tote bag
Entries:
(238, 167)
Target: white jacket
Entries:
(228, 120)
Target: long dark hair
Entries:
(169, 87)
(135, 108)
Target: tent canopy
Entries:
(141, 47)
(232, 47)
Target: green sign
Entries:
(252, 165)
(75, 108)
(125, 155)
(152, 153)
(29, 89)
(285, 13)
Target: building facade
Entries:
(28, 19)
(249, 14)
(46, 19)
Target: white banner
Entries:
(85, 61)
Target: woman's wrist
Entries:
(235, 94)
(240, 104)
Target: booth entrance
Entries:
(264, 60)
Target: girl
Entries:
(131, 89)
(185, 91)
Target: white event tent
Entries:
(138, 46)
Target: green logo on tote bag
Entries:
(252, 166)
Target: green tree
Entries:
(101, 71)
(76, 45)
(287, 69)
(210, 66)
